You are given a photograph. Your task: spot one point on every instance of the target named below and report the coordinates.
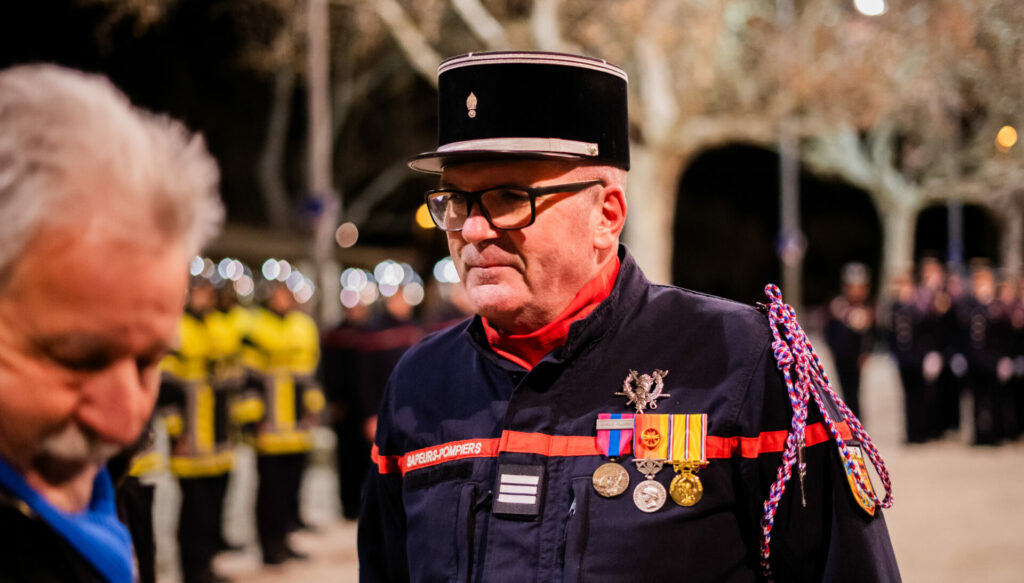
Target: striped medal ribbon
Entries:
(614, 439)
(650, 451)
(688, 442)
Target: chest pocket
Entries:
(662, 545)
(443, 512)
(574, 542)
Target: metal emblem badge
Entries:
(471, 105)
(651, 437)
(610, 479)
(643, 390)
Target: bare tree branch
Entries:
(421, 55)
(483, 25)
(270, 171)
(379, 189)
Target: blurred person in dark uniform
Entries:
(196, 410)
(1006, 331)
(940, 398)
(281, 351)
(850, 331)
(904, 343)
(1017, 384)
(103, 206)
(956, 333)
(388, 335)
(340, 349)
(979, 316)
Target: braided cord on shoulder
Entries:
(793, 353)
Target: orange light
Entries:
(423, 217)
(1006, 138)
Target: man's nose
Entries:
(116, 403)
(477, 228)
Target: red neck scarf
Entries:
(527, 350)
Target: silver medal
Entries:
(649, 495)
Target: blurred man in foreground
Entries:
(588, 425)
(103, 206)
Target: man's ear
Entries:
(611, 206)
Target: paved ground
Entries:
(957, 517)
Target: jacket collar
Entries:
(630, 286)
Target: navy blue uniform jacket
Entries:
(454, 411)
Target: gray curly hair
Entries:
(74, 151)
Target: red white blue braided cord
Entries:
(793, 350)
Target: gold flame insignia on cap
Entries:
(471, 104)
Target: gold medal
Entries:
(610, 479)
(686, 489)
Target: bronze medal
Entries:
(610, 479)
(686, 489)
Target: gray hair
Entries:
(73, 150)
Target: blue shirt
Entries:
(95, 533)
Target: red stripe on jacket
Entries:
(581, 445)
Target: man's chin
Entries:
(57, 471)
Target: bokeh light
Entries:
(346, 235)
(270, 269)
(284, 270)
(413, 293)
(423, 217)
(1006, 138)
(870, 7)
(445, 271)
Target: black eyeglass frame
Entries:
(475, 197)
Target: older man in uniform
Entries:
(102, 206)
(586, 424)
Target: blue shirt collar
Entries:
(95, 533)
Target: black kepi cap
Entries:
(500, 105)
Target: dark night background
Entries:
(188, 65)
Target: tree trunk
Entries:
(270, 172)
(321, 172)
(651, 195)
(1012, 240)
(897, 245)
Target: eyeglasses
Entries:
(506, 207)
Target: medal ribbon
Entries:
(615, 442)
(651, 436)
(688, 438)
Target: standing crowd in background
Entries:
(952, 335)
(250, 374)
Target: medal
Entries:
(686, 489)
(614, 438)
(650, 449)
(610, 479)
(688, 436)
(649, 495)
